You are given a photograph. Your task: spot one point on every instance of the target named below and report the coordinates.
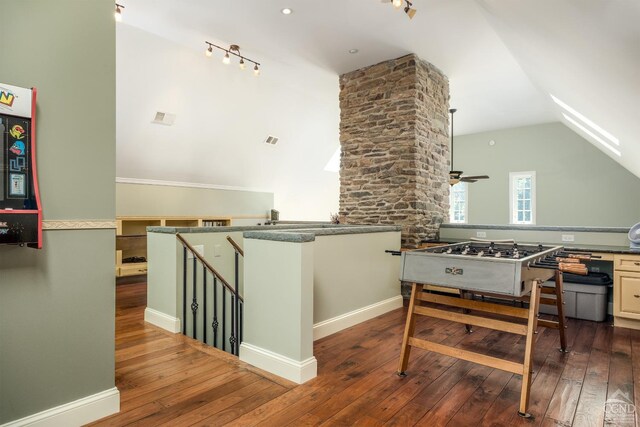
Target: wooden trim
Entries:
(498, 325)
(470, 356)
(477, 305)
(78, 224)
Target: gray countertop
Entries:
(297, 233)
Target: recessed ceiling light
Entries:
(353, 51)
(286, 11)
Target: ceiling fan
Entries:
(456, 176)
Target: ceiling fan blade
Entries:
(468, 180)
(476, 177)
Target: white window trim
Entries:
(466, 206)
(512, 177)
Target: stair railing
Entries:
(238, 252)
(228, 297)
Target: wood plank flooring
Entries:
(171, 380)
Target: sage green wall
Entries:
(576, 183)
(57, 304)
(249, 207)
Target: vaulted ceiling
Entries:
(504, 58)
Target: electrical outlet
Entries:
(568, 238)
(481, 234)
(198, 248)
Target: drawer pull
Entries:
(637, 263)
(636, 296)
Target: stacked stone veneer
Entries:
(395, 153)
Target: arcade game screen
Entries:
(16, 188)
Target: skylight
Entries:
(588, 122)
(333, 165)
(592, 135)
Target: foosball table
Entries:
(500, 271)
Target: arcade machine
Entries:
(20, 209)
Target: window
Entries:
(522, 197)
(458, 203)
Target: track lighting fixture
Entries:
(234, 49)
(408, 9)
(118, 12)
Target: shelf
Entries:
(131, 236)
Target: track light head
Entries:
(256, 70)
(410, 12)
(118, 12)
(209, 51)
(242, 64)
(226, 60)
(397, 3)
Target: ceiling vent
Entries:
(166, 119)
(273, 140)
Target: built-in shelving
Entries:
(131, 237)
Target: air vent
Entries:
(273, 140)
(166, 119)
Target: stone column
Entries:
(394, 127)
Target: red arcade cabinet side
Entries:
(20, 208)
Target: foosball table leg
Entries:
(532, 325)
(466, 295)
(560, 305)
(409, 328)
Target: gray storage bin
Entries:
(588, 302)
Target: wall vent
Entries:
(166, 119)
(271, 140)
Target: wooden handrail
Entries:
(207, 265)
(235, 246)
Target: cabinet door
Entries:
(626, 294)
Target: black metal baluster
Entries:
(194, 301)
(184, 290)
(224, 317)
(232, 338)
(214, 324)
(240, 326)
(204, 304)
(237, 311)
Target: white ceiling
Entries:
(502, 57)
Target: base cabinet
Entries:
(626, 291)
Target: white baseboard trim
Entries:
(293, 370)
(344, 321)
(76, 413)
(161, 320)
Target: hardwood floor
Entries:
(167, 379)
